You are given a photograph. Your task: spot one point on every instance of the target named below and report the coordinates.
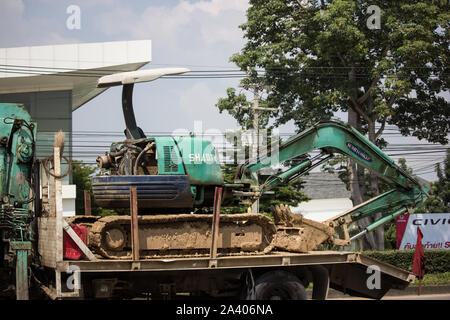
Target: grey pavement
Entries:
(410, 293)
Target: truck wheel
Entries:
(279, 285)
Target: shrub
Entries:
(437, 261)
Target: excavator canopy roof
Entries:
(122, 78)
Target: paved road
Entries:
(445, 296)
(411, 297)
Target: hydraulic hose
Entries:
(136, 164)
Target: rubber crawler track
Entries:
(97, 226)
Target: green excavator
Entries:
(175, 176)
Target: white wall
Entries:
(322, 209)
(67, 57)
(69, 192)
(69, 195)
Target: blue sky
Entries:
(195, 34)
(200, 35)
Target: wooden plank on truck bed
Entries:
(134, 223)
(72, 234)
(47, 241)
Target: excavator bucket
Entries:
(296, 233)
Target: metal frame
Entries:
(56, 210)
(344, 271)
(238, 262)
(134, 223)
(22, 249)
(215, 222)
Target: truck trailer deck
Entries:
(228, 276)
(164, 247)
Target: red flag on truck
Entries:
(418, 267)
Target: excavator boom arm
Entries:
(335, 137)
(332, 137)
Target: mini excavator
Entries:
(174, 176)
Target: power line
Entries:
(197, 74)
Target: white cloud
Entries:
(197, 103)
(215, 7)
(11, 7)
(18, 29)
(11, 14)
(197, 97)
(185, 33)
(209, 22)
(82, 3)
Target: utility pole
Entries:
(256, 108)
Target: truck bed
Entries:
(350, 272)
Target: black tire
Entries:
(279, 285)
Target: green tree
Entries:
(284, 194)
(281, 194)
(390, 234)
(229, 172)
(439, 200)
(237, 106)
(81, 174)
(81, 177)
(325, 57)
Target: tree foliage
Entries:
(81, 174)
(279, 194)
(439, 200)
(290, 195)
(282, 194)
(81, 178)
(234, 104)
(325, 57)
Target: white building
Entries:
(53, 81)
(329, 197)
